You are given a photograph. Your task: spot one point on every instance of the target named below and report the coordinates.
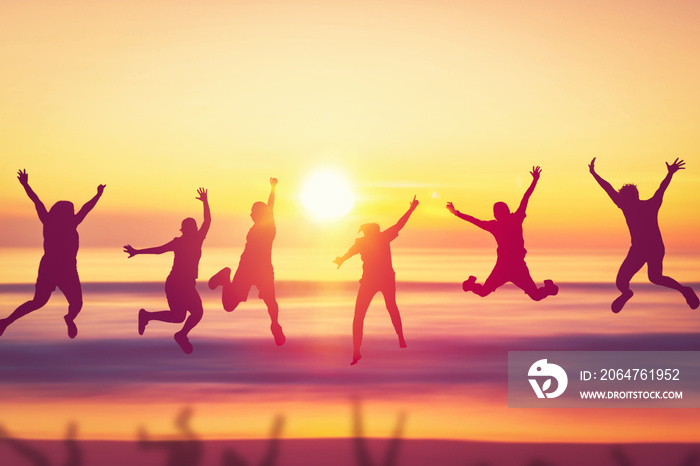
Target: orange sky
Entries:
(448, 100)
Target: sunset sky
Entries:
(447, 100)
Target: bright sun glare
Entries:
(326, 195)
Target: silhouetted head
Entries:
(629, 192)
(369, 229)
(189, 226)
(62, 210)
(260, 212)
(500, 210)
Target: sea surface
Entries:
(444, 397)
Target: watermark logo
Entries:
(542, 370)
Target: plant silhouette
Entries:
(185, 450)
(36, 457)
(232, 458)
(362, 452)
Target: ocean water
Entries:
(448, 385)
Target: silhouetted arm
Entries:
(271, 197)
(88, 206)
(480, 223)
(536, 171)
(132, 251)
(207, 213)
(607, 187)
(404, 218)
(351, 252)
(673, 168)
(23, 178)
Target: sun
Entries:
(326, 195)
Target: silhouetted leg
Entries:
(275, 327)
(497, 278)
(364, 297)
(220, 278)
(656, 276)
(229, 299)
(523, 280)
(74, 295)
(266, 292)
(470, 284)
(530, 288)
(389, 293)
(630, 266)
(223, 278)
(236, 292)
(179, 293)
(42, 293)
(188, 300)
(172, 316)
(196, 313)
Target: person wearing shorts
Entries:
(255, 267)
(507, 229)
(58, 267)
(642, 217)
(180, 286)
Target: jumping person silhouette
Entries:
(647, 246)
(180, 286)
(377, 275)
(507, 229)
(255, 266)
(58, 266)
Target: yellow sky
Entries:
(449, 100)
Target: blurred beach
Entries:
(450, 384)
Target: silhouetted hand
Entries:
(202, 194)
(536, 173)
(23, 177)
(451, 208)
(675, 166)
(591, 166)
(101, 188)
(338, 260)
(130, 250)
(414, 203)
(273, 181)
